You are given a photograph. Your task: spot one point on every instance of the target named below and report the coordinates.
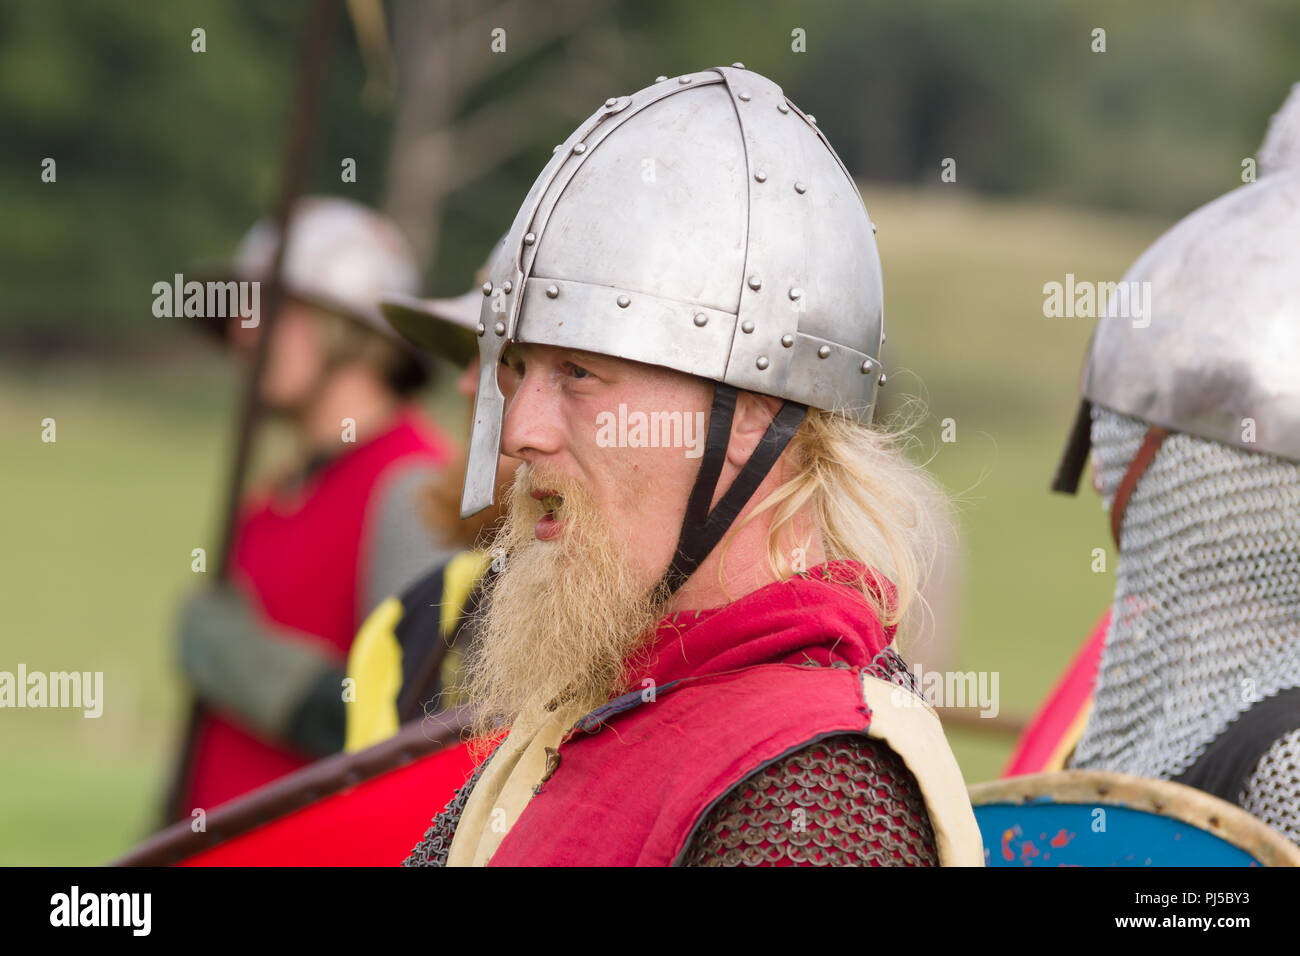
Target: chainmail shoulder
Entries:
(847, 800)
(1273, 792)
(887, 665)
(433, 849)
(1206, 618)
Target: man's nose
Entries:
(532, 427)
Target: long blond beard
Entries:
(564, 619)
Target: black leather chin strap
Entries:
(702, 529)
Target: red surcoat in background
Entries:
(300, 560)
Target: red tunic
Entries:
(300, 560)
(733, 691)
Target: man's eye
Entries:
(578, 371)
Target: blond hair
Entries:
(871, 503)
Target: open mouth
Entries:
(552, 501)
(551, 524)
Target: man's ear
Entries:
(754, 412)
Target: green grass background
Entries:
(97, 528)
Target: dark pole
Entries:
(314, 53)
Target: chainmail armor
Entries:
(861, 804)
(888, 666)
(1273, 791)
(848, 800)
(433, 849)
(1206, 618)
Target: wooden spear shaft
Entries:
(314, 54)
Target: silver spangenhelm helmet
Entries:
(1193, 425)
(703, 224)
(1218, 355)
(342, 257)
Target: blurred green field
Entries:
(98, 527)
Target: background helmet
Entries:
(1220, 357)
(342, 257)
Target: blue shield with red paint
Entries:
(1089, 818)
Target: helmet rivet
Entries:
(660, 79)
(481, 329)
(507, 287)
(747, 326)
(580, 148)
(743, 97)
(701, 320)
(611, 101)
(557, 147)
(800, 188)
(762, 363)
(683, 80)
(755, 283)
(787, 340)
(812, 119)
(761, 176)
(883, 337)
(782, 108)
(873, 228)
(739, 66)
(529, 238)
(824, 351)
(623, 302)
(882, 378)
(865, 369)
(552, 292)
(487, 288)
(499, 328)
(796, 292)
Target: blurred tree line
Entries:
(165, 155)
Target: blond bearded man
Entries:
(708, 550)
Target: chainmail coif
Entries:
(1206, 619)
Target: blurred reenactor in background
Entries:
(1191, 417)
(407, 655)
(316, 551)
